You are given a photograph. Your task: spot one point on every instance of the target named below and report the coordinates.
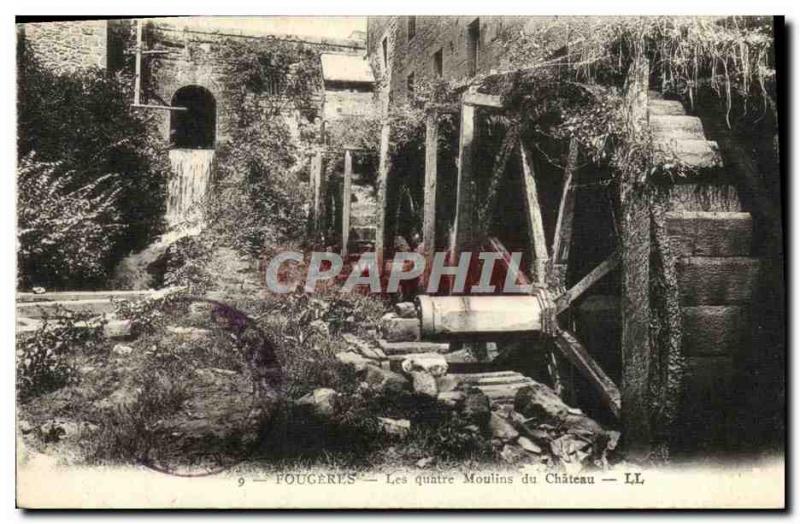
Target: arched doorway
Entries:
(196, 127)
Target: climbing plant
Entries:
(271, 87)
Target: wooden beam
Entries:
(316, 188)
(566, 211)
(465, 189)
(533, 215)
(429, 205)
(576, 353)
(383, 174)
(346, 196)
(137, 79)
(634, 234)
(486, 210)
(480, 99)
(571, 295)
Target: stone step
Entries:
(710, 234)
(677, 127)
(63, 307)
(717, 281)
(704, 197)
(410, 348)
(396, 329)
(363, 234)
(715, 330)
(113, 329)
(697, 154)
(60, 296)
(665, 107)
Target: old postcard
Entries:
(400, 262)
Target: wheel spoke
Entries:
(576, 353)
(539, 254)
(566, 212)
(591, 278)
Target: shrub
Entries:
(43, 357)
(65, 235)
(83, 126)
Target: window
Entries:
(410, 84)
(194, 128)
(437, 63)
(473, 46)
(412, 27)
(385, 50)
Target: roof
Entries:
(346, 68)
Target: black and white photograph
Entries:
(400, 262)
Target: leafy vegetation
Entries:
(80, 143)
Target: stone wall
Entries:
(408, 54)
(68, 46)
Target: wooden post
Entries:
(383, 174)
(465, 191)
(429, 205)
(346, 195)
(635, 262)
(137, 81)
(315, 177)
(533, 215)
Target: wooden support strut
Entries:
(346, 197)
(465, 189)
(383, 173)
(562, 238)
(429, 205)
(533, 216)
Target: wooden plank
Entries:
(576, 353)
(481, 99)
(346, 196)
(715, 330)
(717, 281)
(429, 204)
(465, 189)
(533, 215)
(383, 173)
(710, 234)
(316, 182)
(573, 293)
(566, 212)
(634, 233)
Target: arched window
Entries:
(194, 128)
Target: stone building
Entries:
(189, 69)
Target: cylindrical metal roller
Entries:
(460, 315)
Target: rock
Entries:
(451, 398)
(353, 359)
(189, 332)
(405, 310)
(320, 327)
(424, 383)
(447, 383)
(396, 329)
(321, 400)
(25, 427)
(540, 403)
(38, 290)
(512, 454)
(121, 349)
(432, 363)
(528, 445)
(501, 428)
(397, 427)
(385, 380)
(476, 408)
(425, 462)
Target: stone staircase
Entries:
(363, 216)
